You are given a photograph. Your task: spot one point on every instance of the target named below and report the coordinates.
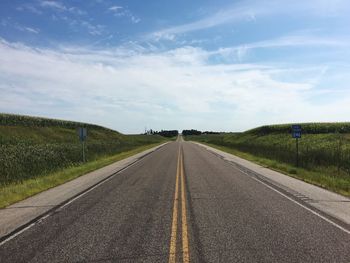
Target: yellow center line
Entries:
(180, 175)
(172, 251)
(185, 246)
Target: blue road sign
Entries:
(82, 133)
(296, 135)
(296, 131)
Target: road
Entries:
(180, 204)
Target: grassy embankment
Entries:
(37, 153)
(324, 151)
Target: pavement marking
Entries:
(60, 207)
(16, 234)
(185, 246)
(180, 178)
(172, 250)
(303, 206)
(284, 195)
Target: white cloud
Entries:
(76, 11)
(95, 30)
(54, 5)
(115, 8)
(135, 19)
(299, 40)
(129, 89)
(120, 11)
(291, 40)
(252, 10)
(58, 6)
(20, 27)
(78, 23)
(30, 8)
(31, 30)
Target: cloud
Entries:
(76, 11)
(119, 11)
(128, 89)
(58, 6)
(79, 23)
(289, 41)
(29, 7)
(7, 22)
(54, 4)
(253, 10)
(31, 30)
(134, 19)
(299, 40)
(95, 30)
(219, 18)
(115, 8)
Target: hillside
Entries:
(32, 147)
(324, 149)
(308, 128)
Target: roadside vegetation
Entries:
(16, 191)
(168, 133)
(324, 151)
(34, 148)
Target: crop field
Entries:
(32, 147)
(324, 148)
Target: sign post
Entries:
(82, 136)
(296, 133)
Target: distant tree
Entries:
(167, 133)
(191, 132)
(210, 132)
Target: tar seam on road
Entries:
(59, 207)
(305, 207)
(273, 187)
(185, 244)
(315, 212)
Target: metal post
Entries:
(297, 144)
(83, 152)
(82, 136)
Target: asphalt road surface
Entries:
(180, 204)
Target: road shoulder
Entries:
(332, 204)
(18, 216)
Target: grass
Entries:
(32, 147)
(17, 191)
(320, 177)
(40, 153)
(309, 128)
(324, 151)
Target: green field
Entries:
(324, 151)
(36, 147)
(16, 191)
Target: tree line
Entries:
(196, 132)
(164, 133)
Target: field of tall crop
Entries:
(324, 148)
(31, 147)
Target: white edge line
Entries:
(16, 234)
(75, 198)
(303, 206)
(291, 199)
(97, 185)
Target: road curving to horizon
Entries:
(180, 203)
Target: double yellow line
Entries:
(174, 227)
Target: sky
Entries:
(208, 65)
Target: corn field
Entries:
(322, 145)
(32, 147)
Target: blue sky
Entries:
(209, 65)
